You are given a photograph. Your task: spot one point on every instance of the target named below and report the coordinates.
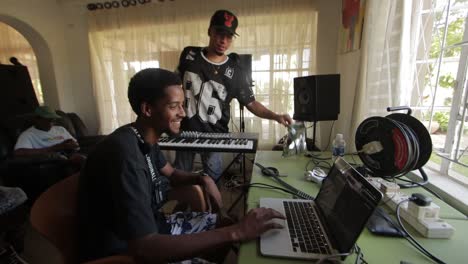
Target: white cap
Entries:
(339, 136)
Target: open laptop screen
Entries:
(346, 201)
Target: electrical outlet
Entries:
(437, 228)
(424, 219)
(397, 198)
(424, 212)
(389, 187)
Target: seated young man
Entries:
(46, 138)
(126, 179)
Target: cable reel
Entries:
(405, 144)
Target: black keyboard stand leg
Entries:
(241, 195)
(240, 157)
(236, 159)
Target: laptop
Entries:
(328, 225)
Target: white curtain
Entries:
(13, 44)
(388, 58)
(280, 35)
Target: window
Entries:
(123, 43)
(440, 88)
(278, 56)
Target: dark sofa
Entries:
(34, 174)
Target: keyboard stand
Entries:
(237, 159)
(240, 157)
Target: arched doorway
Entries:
(14, 44)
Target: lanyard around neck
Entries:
(147, 156)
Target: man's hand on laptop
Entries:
(256, 222)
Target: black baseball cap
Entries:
(224, 20)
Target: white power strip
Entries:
(425, 219)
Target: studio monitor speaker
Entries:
(245, 61)
(17, 94)
(317, 97)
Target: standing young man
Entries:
(211, 79)
(126, 181)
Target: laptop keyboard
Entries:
(304, 228)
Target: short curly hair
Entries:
(149, 85)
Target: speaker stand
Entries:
(313, 147)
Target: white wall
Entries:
(330, 60)
(329, 22)
(347, 67)
(58, 34)
(57, 30)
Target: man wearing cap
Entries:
(43, 137)
(211, 79)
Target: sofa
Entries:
(34, 174)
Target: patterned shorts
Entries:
(189, 223)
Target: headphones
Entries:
(145, 147)
(270, 171)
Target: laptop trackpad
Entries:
(276, 242)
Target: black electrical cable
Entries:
(297, 192)
(423, 186)
(359, 255)
(424, 251)
(267, 186)
(274, 173)
(320, 159)
(411, 239)
(414, 184)
(408, 152)
(326, 165)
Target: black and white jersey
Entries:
(209, 88)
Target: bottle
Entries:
(338, 147)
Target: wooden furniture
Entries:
(54, 215)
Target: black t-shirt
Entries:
(116, 195)
(209, 89)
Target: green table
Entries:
(376, 249)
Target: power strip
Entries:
(425, 219)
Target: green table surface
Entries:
(376, 249)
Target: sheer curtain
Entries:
(387, 58)
(13, 44)
(125, 40)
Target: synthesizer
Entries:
(211, 142)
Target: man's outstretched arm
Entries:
(260, 110)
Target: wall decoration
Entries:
(352, 22)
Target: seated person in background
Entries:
(45, 138)
(126, 180)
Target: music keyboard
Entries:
(211, 142)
